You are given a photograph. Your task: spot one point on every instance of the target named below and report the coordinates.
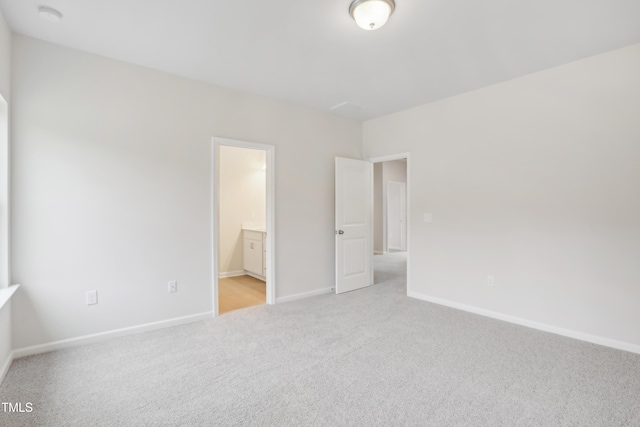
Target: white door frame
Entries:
(270, 152)
(387, 158)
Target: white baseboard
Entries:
(88, 339)
(225, 274)
(607, 342)
(304, 295)
(255, 276)
(6, 366)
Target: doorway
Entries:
(391, 189)
(243, 224)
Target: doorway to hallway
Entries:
(390, 220)
(367, 220)
(391, 269)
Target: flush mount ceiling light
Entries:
(49, 14)
(371, 14)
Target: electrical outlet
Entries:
(428, 217)
(92, 297)
(173, 286)
(490, 281)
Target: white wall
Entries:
(5, 84)
(4, 193)
(536, 182)
(5, 58)
(112, 184)
(395, 170)
(242, 200)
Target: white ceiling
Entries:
(312, 53)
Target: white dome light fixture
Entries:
(371, 14)
(49, 14)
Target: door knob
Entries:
(340, 232)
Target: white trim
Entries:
(304, 295)
(88, 339)
(379, 252)
(214, 229)
(400, 156)
(7, 293)
(5, 368)
(390, 157)
(270, 152)
(620, 345)
(225, 274)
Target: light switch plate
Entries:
(173, 286)
(92, 297)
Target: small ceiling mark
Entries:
(347, 105)
(49, 14)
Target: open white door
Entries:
(354, 189)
